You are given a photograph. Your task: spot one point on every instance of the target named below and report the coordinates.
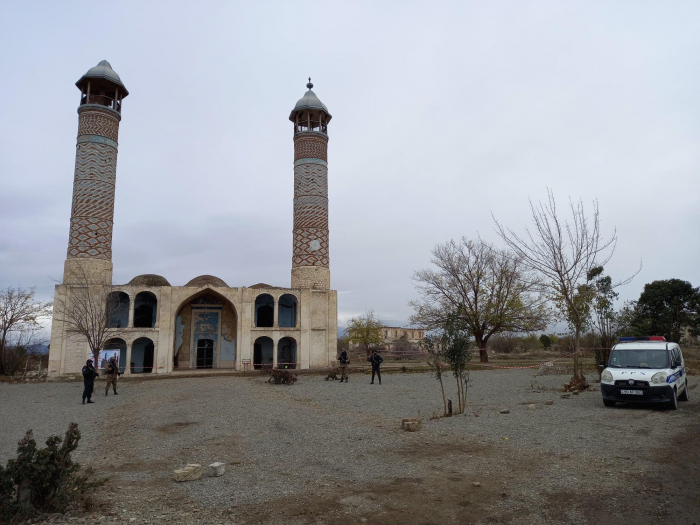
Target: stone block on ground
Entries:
(549, 402)
(505, 411)
(215, 470)
(411, 425)
(190, 472)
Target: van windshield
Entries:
(639, 359)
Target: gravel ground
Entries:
(321, 452)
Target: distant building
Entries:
(397, 338)
(393, 335)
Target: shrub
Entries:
(282, 377)
(44, 480)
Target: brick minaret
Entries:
(90, 238)
(310, 267)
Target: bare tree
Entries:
(20, 322)
(487, 288)
(86, 310)
(365, 330)
(564, 252)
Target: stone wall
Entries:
(315, 333)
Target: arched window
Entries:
(113, 347)
(264, 310)
(141, 356)
(117, 310)
(262, 352)
(287, 308)
(145, 310)
(287, 353)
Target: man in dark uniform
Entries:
(344, 362)
(376, 361)
(89, 375)
(113, 373)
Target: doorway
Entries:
(205, 353)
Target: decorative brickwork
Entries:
(311, 247)
(96, 161)
(311, 145)
(98, 123)
(311, 179)
(311, 212)
(92, 212)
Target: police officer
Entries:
(89, 375)
(344, 362)
(113, 374)
(376, 361)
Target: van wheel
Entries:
(684, 395)
(608, 403)
(673, 404)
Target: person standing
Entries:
(113, 374)
(376, 361)
(89, 375)
(344, 362)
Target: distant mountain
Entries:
(39, 349)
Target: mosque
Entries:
(157, 328)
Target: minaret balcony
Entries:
(102, 100)
(311, 126)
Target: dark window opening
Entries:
(145, 308)
(117, 310)
(264, 311)
(287, 311)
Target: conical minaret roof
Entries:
(309, 102)
(103, 71)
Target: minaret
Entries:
(310, 267)
(90, 238)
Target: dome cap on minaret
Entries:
(103, 72)
(309, 102)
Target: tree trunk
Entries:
(481, 345)
(577, 343)
(444, 401)
(483, 355)
(459, 398)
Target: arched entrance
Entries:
(113, 347)
(287, 353)
(263, 350)
(142, 351)
(205, 332)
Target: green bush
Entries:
(45, 480)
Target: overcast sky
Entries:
(443, 113)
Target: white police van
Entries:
(644, 370)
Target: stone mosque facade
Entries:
(157, 328)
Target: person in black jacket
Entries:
(89, 375)
(376, 361)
